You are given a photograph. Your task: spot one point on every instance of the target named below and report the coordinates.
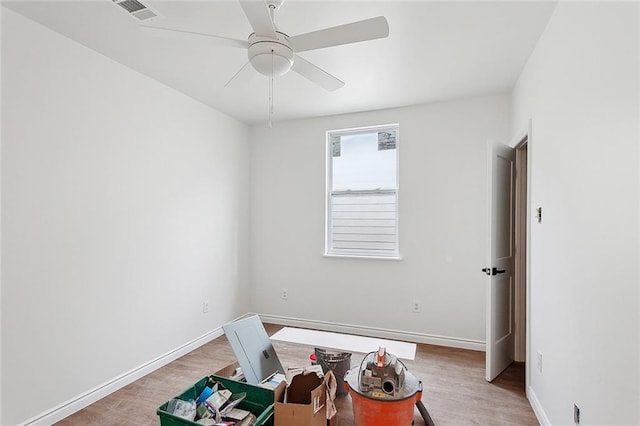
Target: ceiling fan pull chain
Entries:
(271, 92)
(270, 100)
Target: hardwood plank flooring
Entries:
(455, 392)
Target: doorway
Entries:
(521, 209)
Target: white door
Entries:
(500, 270)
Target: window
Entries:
(362, 192)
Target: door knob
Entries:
(493, 271)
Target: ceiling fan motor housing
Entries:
(271, 56)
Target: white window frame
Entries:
(330, 251)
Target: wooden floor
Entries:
(455, 392)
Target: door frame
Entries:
(524, 215)
(520, 261)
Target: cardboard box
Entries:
(227, 371)
(279, 395)
(333, 421)
(303, 402)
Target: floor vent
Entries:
(136, 9)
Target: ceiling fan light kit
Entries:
(270, 57)
(272, 53)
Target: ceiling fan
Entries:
(274, 53)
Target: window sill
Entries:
(355, 256)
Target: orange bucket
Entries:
(378, 412)
(383, 392)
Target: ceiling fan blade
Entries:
(259, 17)
(243, 76)
(369, 29)
(190, 35)
(315, 74)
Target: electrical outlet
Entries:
(416, 306)
(540, 361)
(576, 414)
(205, 306)
(284, 294)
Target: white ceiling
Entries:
(435, 50)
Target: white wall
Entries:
(124, 207)
(443, 224)
(580, 88)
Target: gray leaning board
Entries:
(253, 349)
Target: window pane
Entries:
(364, 222)
(362, 202)
(364, 161)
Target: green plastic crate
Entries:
(259, 401)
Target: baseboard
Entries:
(69, 407)
(407, 336)
(537, 407)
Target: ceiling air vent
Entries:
(136, 9)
